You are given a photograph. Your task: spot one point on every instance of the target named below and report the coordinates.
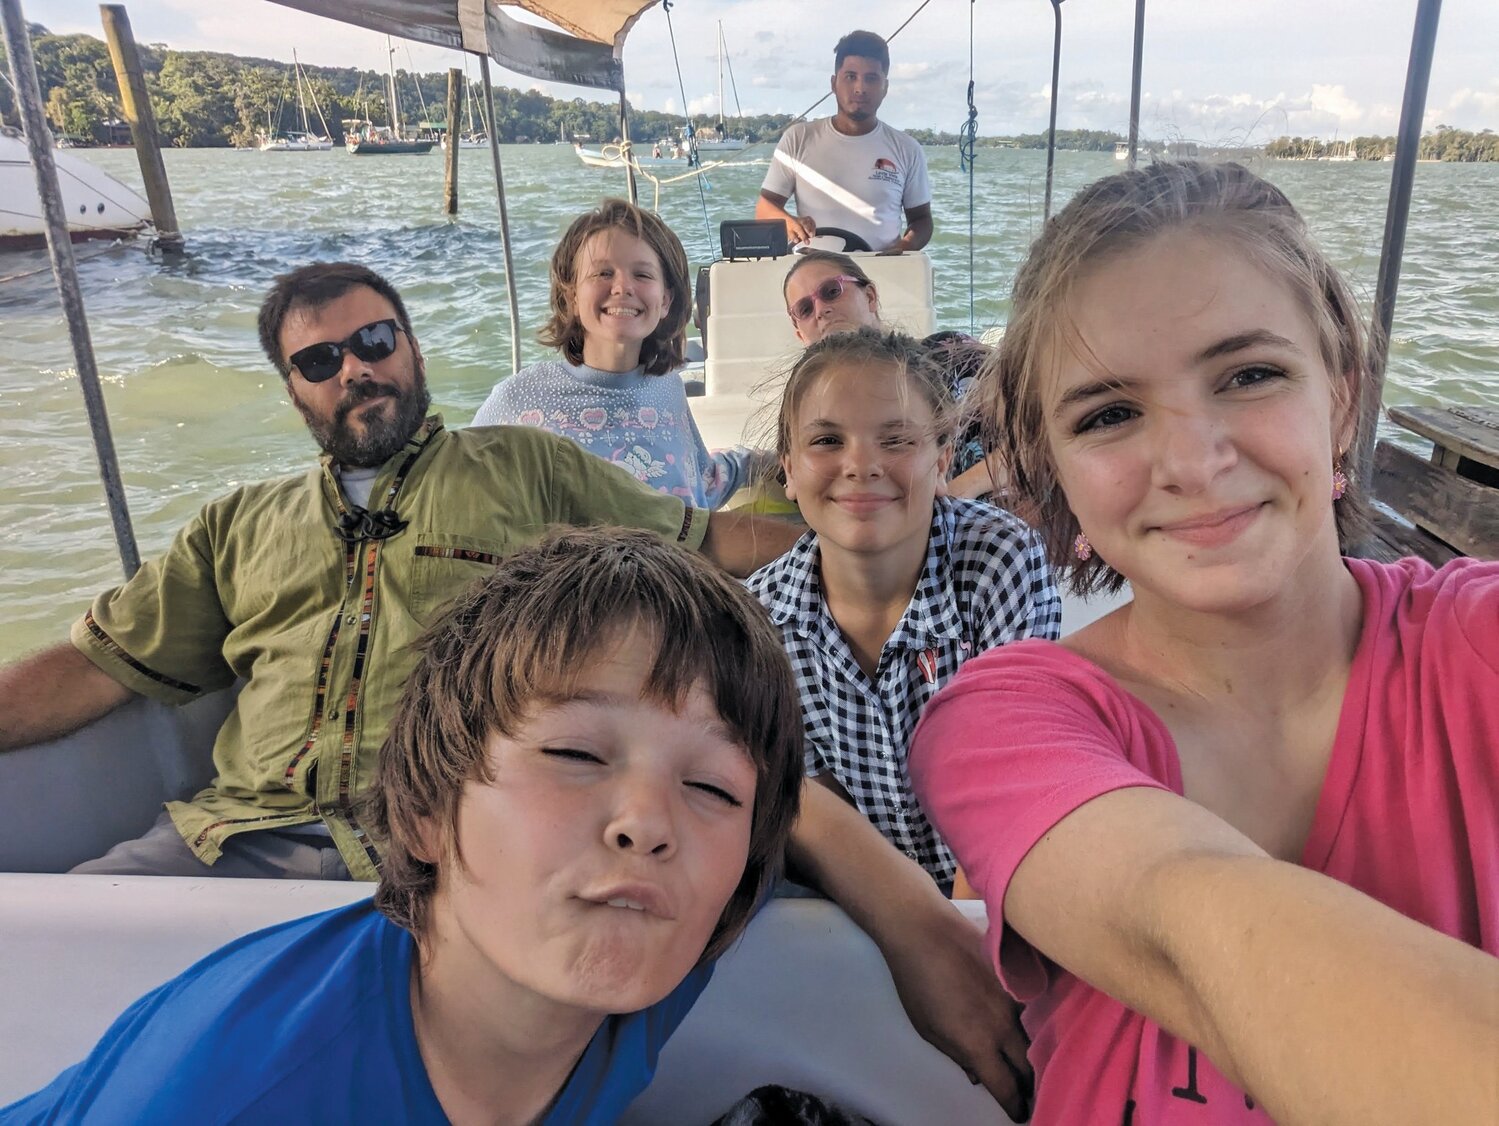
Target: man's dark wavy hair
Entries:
(312, 287)
(863, 45)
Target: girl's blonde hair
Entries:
(1109, 218)
(862, 349)
(666, 347)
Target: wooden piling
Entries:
(138, 112)
(455, 109)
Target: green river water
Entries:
(197, 410)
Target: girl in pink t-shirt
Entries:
(1239, 839)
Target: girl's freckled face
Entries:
(621, 294)
(1193, 422)
(865, 464)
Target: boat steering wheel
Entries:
(851, 241)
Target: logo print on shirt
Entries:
(885, 169)
(926, 661)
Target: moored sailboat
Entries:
(369, 139)
(304, 139)
(716, 138)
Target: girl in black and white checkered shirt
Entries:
(896, 584)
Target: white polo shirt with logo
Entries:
(862, 184)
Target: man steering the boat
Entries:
(310, 590)
(851, 173)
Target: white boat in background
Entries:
(715, 138)
(296, 141)
(1121, 150)
(96, 204)
(468, 141)
(612, 156)
(714, 143)
(304, 139)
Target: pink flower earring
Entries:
(1339, 480)
(1082, 548)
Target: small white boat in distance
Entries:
(468, 141)
(719, 144)
(293, 141)
(304, 139)
(96, 204)
(610, 156)
(1121, 150)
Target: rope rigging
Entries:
(688, 138)
(968, 138)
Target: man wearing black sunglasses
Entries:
(312, 589)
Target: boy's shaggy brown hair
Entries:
(527, 635)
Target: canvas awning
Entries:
(586, 53)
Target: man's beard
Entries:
(382, 434)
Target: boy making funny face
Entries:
(586, 792)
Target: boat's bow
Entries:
(95, 203)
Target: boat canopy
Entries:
(585, 53)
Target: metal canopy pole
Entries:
(1051, 130)
(65, 270)
(499, 185)
(1134, 82)
(624, 146)
(1407, 148)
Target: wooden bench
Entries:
(1448, 505)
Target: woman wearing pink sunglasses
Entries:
(827, 292)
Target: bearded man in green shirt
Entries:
(310, 589)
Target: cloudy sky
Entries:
(1219, 71)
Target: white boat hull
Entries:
(95, 203)
(599, 158)
(281, 144)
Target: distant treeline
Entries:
(208, 99)
(213, 100)
(1441, 143)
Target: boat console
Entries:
(750, 345)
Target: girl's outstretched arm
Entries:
(1322, 1003)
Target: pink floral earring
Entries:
(1339, 480)
(1082, 548)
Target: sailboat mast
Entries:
(301, 101)
(720, 71)
(395, 105)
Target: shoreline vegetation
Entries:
(208, 99)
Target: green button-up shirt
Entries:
(259, 587)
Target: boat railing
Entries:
(1447, 504)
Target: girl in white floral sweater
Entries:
(620, 302)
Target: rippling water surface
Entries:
(196, 409)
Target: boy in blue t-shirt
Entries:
(586, 790)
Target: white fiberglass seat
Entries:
(750, 343)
